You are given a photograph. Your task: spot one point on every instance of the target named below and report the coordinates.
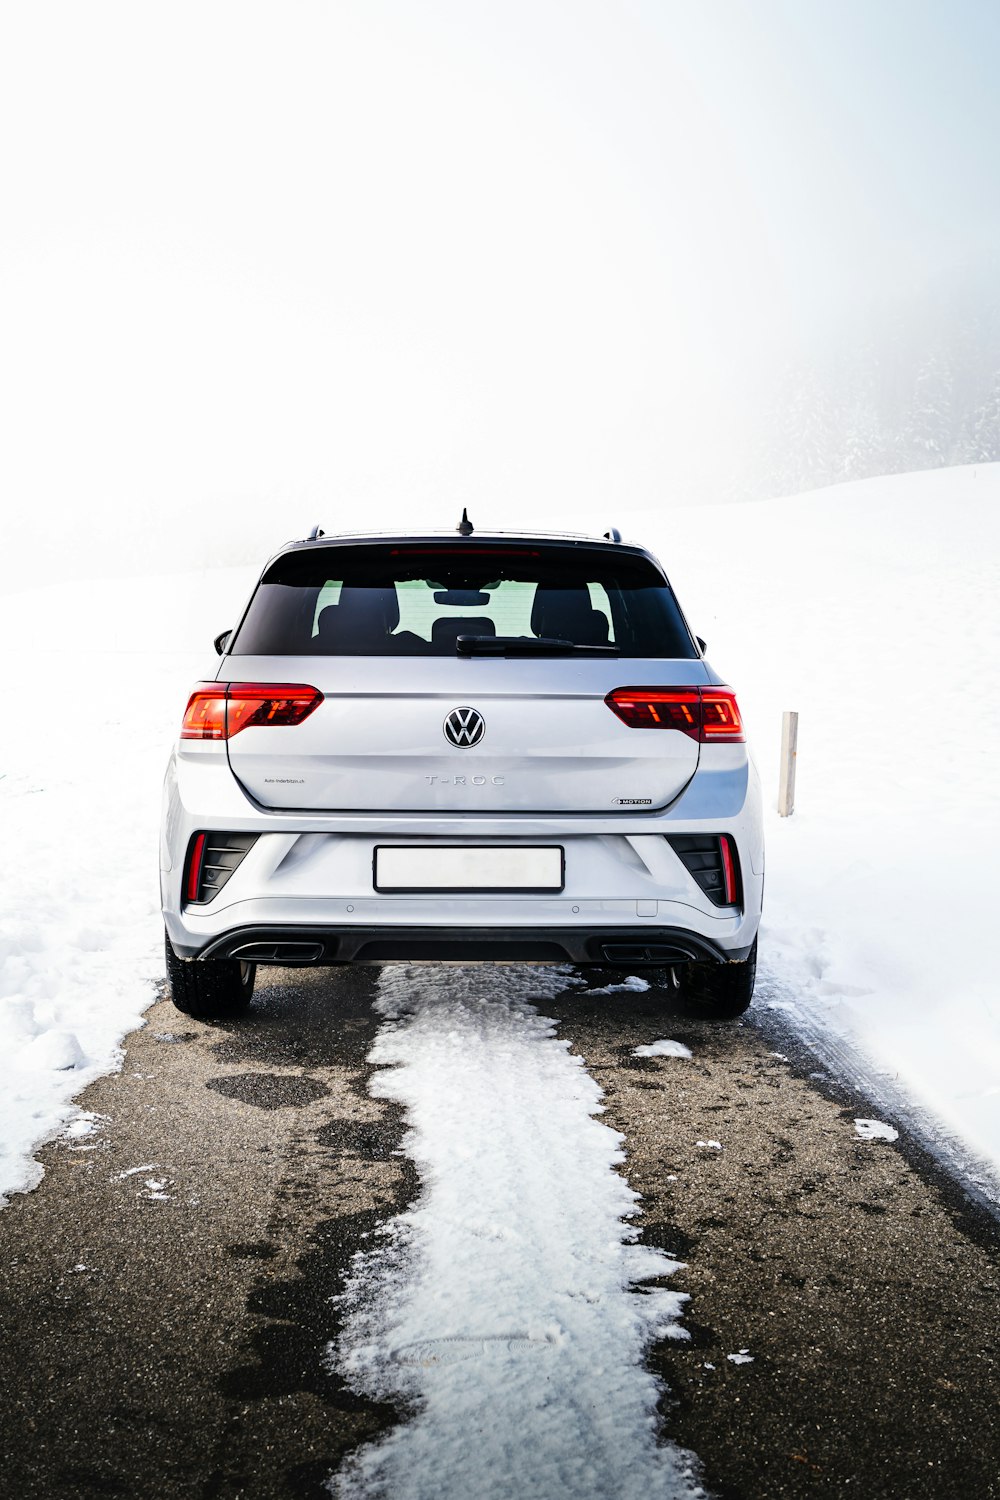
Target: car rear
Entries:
(460, 748)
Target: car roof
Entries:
(479, 538)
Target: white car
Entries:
(461, 746)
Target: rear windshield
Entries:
(417, 601)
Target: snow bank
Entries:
(96, 676)
(871, 608)
(501, 1307)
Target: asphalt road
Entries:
(165, 1293)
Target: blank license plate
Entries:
(458, 867)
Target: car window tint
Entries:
(416, 600)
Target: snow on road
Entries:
(501, 1306)
(665, 1047)
(875, 1130)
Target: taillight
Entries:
(217, 711)
(658, 708)
(720, 715)
(251, 704)
(706, 714)
(205, 715)
(730, 884)
(196, 859)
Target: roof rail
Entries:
(315, 533)
(612, 534)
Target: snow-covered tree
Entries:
(915, 386)
(929, 430)
(984, 444)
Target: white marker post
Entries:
(789, 750)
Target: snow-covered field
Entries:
(96, 675)
(870, 608)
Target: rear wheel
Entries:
(719, 991)
(211, 990)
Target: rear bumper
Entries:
(308, 880)
(290, 946)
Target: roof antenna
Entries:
(465, 527)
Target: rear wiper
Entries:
(521, 645)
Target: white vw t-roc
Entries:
(461, 747)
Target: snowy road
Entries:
(380, 1231)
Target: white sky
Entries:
(262, 265)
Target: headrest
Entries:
(551, 603)
(567, 614)
(369, 610)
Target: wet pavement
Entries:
(165, 1294)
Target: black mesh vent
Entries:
(701, 855)
(223, 853)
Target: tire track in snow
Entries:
(510, 1308)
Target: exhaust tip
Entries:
(288, 954)
(644, 953)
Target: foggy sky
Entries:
(360, 263)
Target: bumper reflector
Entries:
(713, 861)
(212, 859)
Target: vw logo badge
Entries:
(464, 727)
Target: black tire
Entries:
(719, 992)
(211, 990)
